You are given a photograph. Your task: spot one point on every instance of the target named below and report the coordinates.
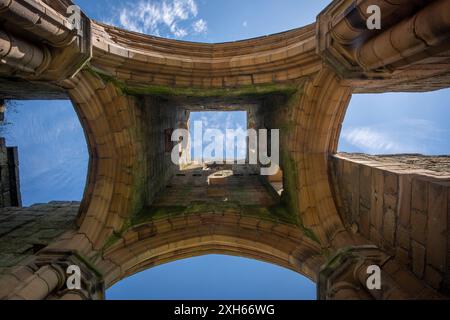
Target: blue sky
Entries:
(53, 156)
(226, 20)
(215, 277)
(398, 123)
(215, 123)
(53, 153)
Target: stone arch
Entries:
(318, 117)
(170, 239)
(109, 119)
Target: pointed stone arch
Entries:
(170, 239)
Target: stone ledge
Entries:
(431, 166)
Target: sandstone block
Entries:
(418, 258)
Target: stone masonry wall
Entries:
(277, 112)
(9, 176)
(25, 231)
(158, 117)
(401, 203)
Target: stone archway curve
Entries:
(170, 239)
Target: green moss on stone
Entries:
(336, 260)
(244, 91)
(89, 264)
(290, 174)
(169, 91)
(289, 197)
(275, 213)
(156, 212)
(113, 238)
(309, 233)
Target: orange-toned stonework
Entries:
(340, 214)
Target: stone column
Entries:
(398, 44)
(394, 57)
(2, 110)
(73, 296)
(38, 42)
(49, 281)
(21, 55)
(44, 281)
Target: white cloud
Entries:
(169, 18)
(397, 136)
(245, 24)
(200, 26)
(370, 140)
(219, 122)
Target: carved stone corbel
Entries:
(49, 281)
(345, 276)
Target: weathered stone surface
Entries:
(377, 199)
(419, 200)
(411, 220)
(419, 226)
(437, 233)
(9, 176)
(389, 226)
(433, 277)
(2, 110)
(403, 237)
(390, 183)
(418, 258)
(405, 191)
(436, 166)
(396, 55)
(27, 230)
(364, 221)
(403, 256)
